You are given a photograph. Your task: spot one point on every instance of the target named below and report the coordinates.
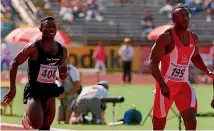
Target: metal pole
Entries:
(113, 113)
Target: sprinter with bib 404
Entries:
(45, 56)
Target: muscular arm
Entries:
(22, 56)
(196, 58)
(158, 52)
(63, 66)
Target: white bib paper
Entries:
(47, 74)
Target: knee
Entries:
(35, 123)
(189, 115)
(158, 119)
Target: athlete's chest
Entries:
(48, 67)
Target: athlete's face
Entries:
(181, 18)
(48, 28)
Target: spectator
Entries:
(39, 13)
(79, 9)
(66, 11)
(147, 23)
(5, 56)
(126, 53)
(47, 4)
(71, 85)
(167, 8)
(94, 11)
(209, 7)
(124, 1)
(100, 56)
(89, 101)
(193, 7)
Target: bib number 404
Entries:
(48, 74)
(176, 72)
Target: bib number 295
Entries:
(176, 72)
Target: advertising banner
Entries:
(82, 57)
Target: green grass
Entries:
(140, 95)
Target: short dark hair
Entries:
(47, 18)
(179, 5)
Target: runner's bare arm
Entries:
(158, 52)
(196, 57)
(63, 66)
(20, 58)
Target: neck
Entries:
(47, 40)
(180, 32)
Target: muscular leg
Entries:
(49, 114)
(189, 117)
(158, 123)
(161, 108)
(186, 103)
(34, 112)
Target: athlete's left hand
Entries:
(212, 103)
(62, 72)
(62, 96)
(211, 74)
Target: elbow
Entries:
(14, 65)
(150, 65)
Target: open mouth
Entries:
(51, 33)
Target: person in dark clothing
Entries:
(126, 53)
(45, 56)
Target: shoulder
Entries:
(165, 38)
(31, 47)
(63, 48)
(194, 36)
(60, 45)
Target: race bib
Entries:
(47, 74)
(177, 72)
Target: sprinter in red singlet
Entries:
(169, 65)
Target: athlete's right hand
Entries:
(10, 95)
(165, 90)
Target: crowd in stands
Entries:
(147, 23)
(6, 17)
(71, 10)
(194, 6)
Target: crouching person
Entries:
(71, 85)
(89, 100)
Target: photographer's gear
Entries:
(132, 116)
(112, 99)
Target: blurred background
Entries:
(83, 24)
